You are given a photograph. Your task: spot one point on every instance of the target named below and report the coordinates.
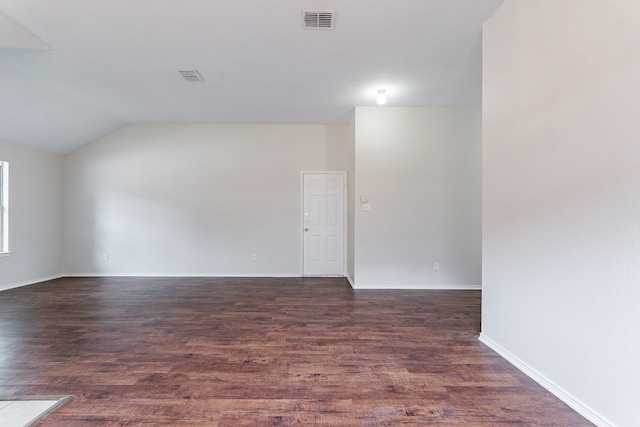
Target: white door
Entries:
(323, 224)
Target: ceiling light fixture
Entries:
(381, 99)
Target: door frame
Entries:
(345, 217)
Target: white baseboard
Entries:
(29, 282)
(350, 281)
(418, 287)
(179, 275)
(553, 388)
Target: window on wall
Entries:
(4, 207)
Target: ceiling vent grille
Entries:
(191, 75)
(318, 19)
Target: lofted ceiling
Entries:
(72, 71)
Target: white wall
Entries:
(421, 170)
(561, 216)
(35, 216)
(193, 199)
(351, 188)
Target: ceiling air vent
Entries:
(191, 75)
(318, 19)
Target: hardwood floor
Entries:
(257, 352)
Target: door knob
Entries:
(306, 229)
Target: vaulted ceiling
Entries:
(72, 71)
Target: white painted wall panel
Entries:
(421, 171)
(193, 199)
(561, 229)
(351, 198)
(35, 216)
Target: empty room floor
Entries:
(254, 352)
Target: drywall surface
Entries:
(561, 228)
(351, 188)
(193, 199)
(420, 171)
(35, 216)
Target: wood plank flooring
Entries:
(258, 352)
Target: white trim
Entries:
(5, 253)
(350, 281)
(4, 207)
(29, 282)
(553, 388)
(150, 275)
(345, 218)
(222, 275)
(420, 287)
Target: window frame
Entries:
(4, 208)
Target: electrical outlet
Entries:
(436, 266)
(105, 257)
(254, 257)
